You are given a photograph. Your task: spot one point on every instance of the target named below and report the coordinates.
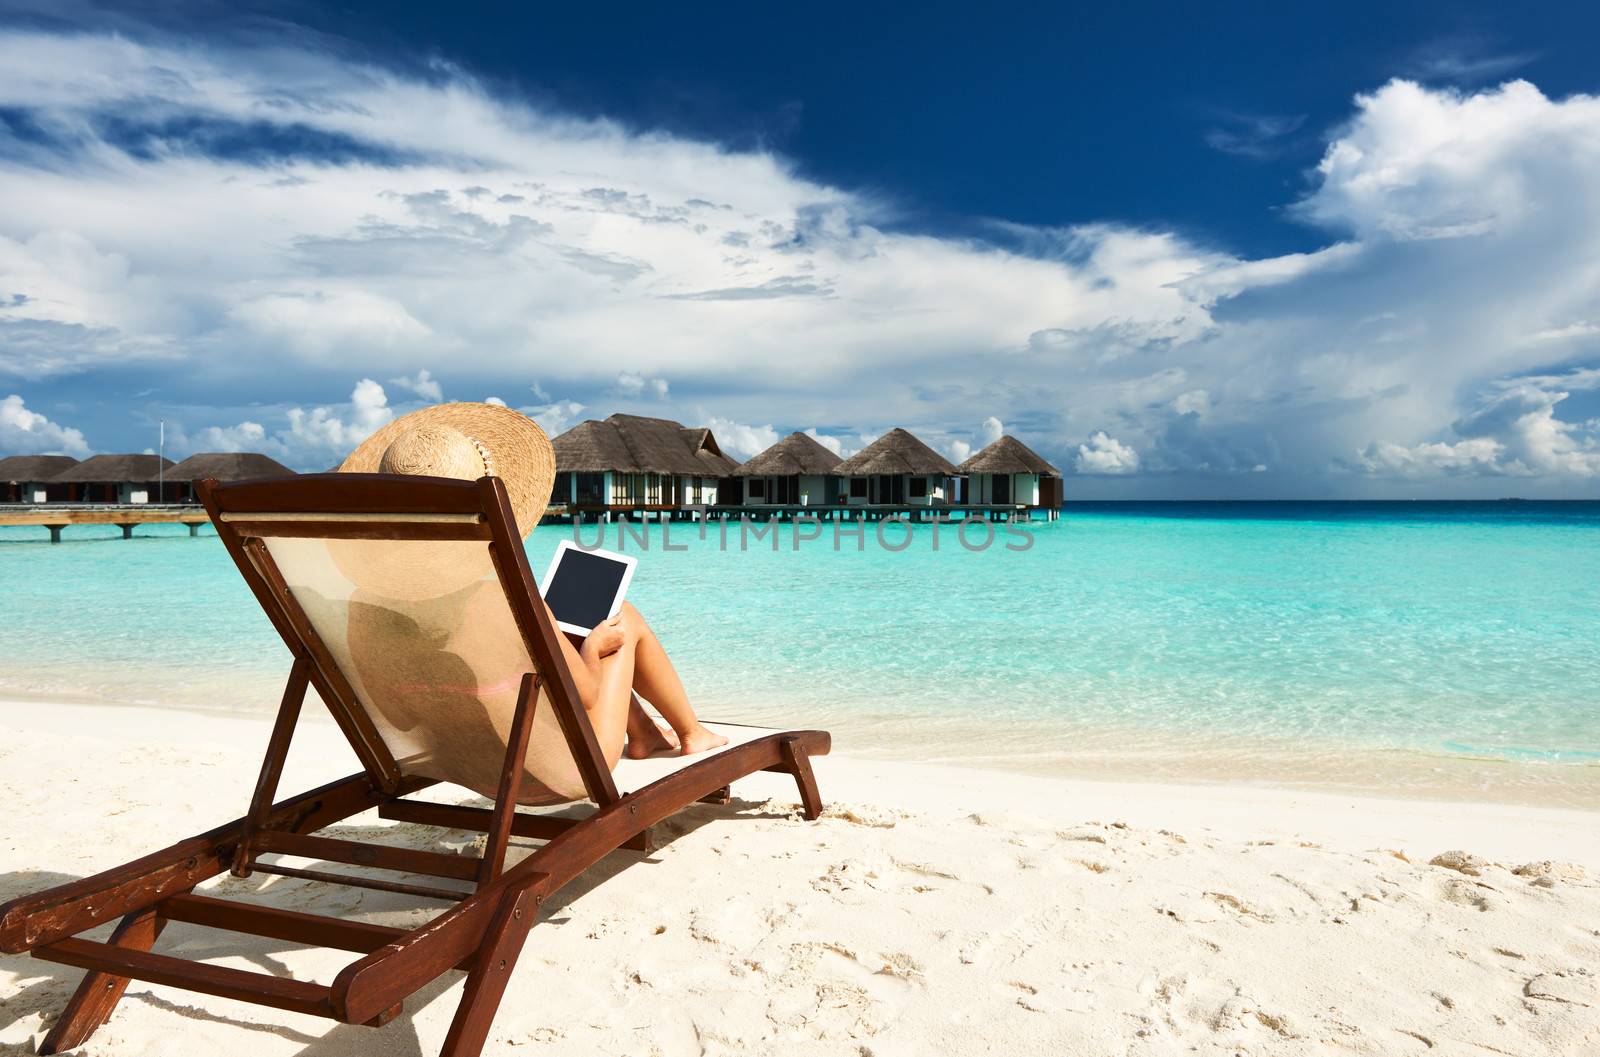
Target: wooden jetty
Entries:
(57, 516)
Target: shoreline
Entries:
(1375, 771)
(1355, 817)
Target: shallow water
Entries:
(1433, 648)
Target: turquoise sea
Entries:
(1430, 648)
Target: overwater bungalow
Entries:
(796, 471)
(896, 469)
(29, 478)
(119, 479)
(1008, 472)
(222, 466)
(629, 464)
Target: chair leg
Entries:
(486, 982)
(798, 763)
(97, 996)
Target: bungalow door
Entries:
(1002, 488)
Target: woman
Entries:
(618, 658)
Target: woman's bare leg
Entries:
(605, 687)
(656, 679)
(646, 737)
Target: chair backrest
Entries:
(412, 601)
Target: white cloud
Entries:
(556, 417)
(246, 436)
(24, 432)
(1459, 259)
(316, 324)
(495, 400)
(958, 450)
(833, 444)
(1513, 432)
(739, 441)
(335, 431)
(993, 429)
(1104, 454)
(424, 384)
(1420, 163)
(1426, 460)
(631, 383)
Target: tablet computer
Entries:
(584, 588)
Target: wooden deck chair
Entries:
(408, 604)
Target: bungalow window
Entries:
(919, 487)
(758, 488)
(858, 488)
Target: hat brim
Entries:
(522, 455)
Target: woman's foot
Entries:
(700, 740)
(660, 739)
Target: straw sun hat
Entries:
(467, 441)
(464, 441)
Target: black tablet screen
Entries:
(583, 588)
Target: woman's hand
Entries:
(603, 641)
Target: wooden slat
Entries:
(247, 526)
(354, 493)
(358, 853)
(374, 983)
(356, 518)
(292, 926)
(314, 930)
(275, 991)
(71, 908)
(403, 887)
(476, 820)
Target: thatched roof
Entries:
(635, 444)
(896, 452)
(593, 447)
(1007, 455)
(228, 466)
(31, 469)
(706, 450)
(116, 469)
(795, 454)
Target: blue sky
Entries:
(1260, 252)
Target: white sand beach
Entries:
(930, 911)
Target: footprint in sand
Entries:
(1573, 987)
(1238, 906)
